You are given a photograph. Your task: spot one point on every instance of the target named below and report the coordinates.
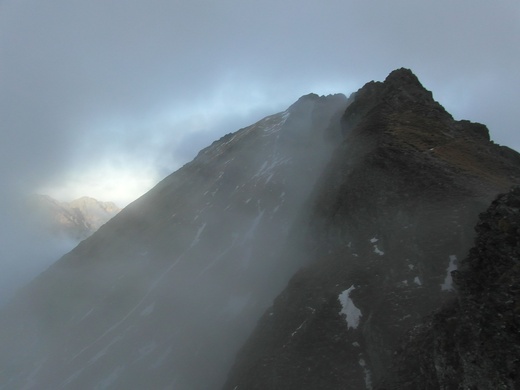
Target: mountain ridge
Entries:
(389, 218)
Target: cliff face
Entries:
(473, 342)
(390, 218)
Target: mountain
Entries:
(295, 253)
(75, 220)
(392, 215)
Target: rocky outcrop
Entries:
(474, 342)
(389, 219)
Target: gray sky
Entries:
(105, 97)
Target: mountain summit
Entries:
(348, 214)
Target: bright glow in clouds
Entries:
(148, 149)
(106, 183)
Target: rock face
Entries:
(349, 213)
(391, 216)
(474, 342)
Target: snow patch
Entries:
(368, 375)
(298, 328)
(417, 281)
(373, 240)
(352, 313)
(267, 167)
(377, 251)
(448, 280)
(277, 126)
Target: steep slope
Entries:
(390, 217)
(475, 341)
(164, 294)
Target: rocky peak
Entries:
(391, 215)
(401, 92)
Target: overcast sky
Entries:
(106, 97)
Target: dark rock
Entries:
(474, 343)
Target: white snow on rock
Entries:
(268, 167)
(298, 328)
(417, 281)
(368, 375)
(277, 125)
(448, 281)
(378, 251)
(352, 313)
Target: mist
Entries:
(27, 246)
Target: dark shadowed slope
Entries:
(473, 343)
(164, 294)
(389, 220)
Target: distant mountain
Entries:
(296, 253)
(77, 219)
